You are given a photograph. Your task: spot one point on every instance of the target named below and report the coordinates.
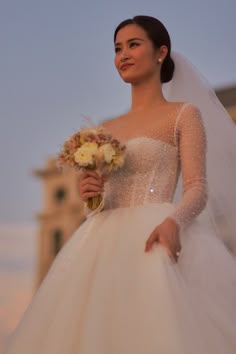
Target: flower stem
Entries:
(94, 202)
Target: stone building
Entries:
(61, 214)
(227, 96)
(62, 211)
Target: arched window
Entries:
(60, 194)
(57, 241)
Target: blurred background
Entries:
(56, 66)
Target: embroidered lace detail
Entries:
(152, 168)
(149, 174)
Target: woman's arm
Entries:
(192, 153)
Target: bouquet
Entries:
(92, 149)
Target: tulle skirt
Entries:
(104, 295)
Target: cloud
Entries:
(18, 250)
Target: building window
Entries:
(60, 194)
(57, 241)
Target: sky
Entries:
(56, 65)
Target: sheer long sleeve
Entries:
(192, 154)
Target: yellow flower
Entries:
(118, 160)
(85, 154)
(83, 157)
(107, 152)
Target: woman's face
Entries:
(135, 57)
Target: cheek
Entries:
(149, 64)
(116, 62)
(144, 58)
(145, 64)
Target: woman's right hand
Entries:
(91, 184)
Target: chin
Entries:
(131, 79)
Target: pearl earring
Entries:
(159, 60)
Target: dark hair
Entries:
(158, 35)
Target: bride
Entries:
(147, 274)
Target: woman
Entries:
(144, 275)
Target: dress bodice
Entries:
(152, 168)
(149, 174)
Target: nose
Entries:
(123, 59)
(124, 53)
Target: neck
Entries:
(146, 94)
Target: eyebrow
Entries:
(130, 40)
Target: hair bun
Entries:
(167, 69)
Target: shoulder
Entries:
(189, 123)
(178, 112)
(188, 113)
(189, 107)
(110, 123)
(182, 108)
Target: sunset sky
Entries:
(56, 65)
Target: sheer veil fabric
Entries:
(188, 84)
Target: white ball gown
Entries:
(104, 295)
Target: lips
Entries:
(125, 66)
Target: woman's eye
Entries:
(134, 44)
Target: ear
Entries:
(162, 53)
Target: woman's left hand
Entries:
(167, 235)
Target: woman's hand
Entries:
(91, 184)
(167, 235)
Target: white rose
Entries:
(108, 152)
(84, 157)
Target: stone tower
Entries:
(61, 215)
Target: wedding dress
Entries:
(104, 295)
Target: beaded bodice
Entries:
(149, 174)
(153, 165)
